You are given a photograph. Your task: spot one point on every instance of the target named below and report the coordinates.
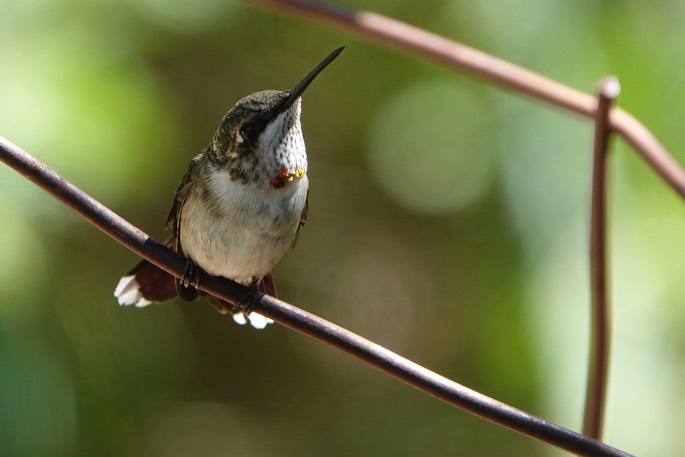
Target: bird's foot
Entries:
(243, 312)
(191, 274)
(242, 308)
(249, 300)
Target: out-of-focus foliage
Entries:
(448, 222)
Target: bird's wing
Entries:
(303, 220)
(174, 218)
(174, 221)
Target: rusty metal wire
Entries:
(607, 91)
(482, 66)
(488, 68)
(509, 76)
(297, 319)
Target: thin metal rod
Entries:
(300, 320)
(484, 66)
(595, 399)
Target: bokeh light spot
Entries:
(428, 148)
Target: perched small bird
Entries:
(239, 206)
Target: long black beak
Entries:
(296, 91)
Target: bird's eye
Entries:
(248, 132)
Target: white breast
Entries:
(248, 229)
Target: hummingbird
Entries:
(239, 206)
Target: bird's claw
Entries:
(249, 300)
(191, 274)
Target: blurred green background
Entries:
(448, 222)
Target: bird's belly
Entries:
(241, 242)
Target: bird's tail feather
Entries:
(146, 283)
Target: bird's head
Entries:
(260, 138)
